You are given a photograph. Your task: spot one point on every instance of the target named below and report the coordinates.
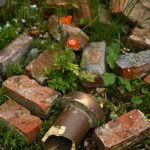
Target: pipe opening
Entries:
(58, 143)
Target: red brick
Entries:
(20, 119)
(147, 79)
(35, 69)
(124, 131)
(16, 50)
(134, 65)
(27, 92)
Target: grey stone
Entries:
(93, 58)
(134, 59)
(134, 65)
(15, 51)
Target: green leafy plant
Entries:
(113, 52)
(8, 139)
(65, 75)
(8, 32)
(111, 79)
(15, 69)
(3, 96)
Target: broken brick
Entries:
(139, 39)
(147, 80)
(15, 51)
(134, 65)
(27, 92)
(35, 69)
(137, 11)
(20, 120)
(123, 131)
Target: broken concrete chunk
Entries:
(139, 39)
(15, 51)
(62, 32)
(93, 58)
(93, 61)
(27, 92)
(147, 80)
(123, 132)
(20, 120)
(35, 69)
(134, 65)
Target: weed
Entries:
(65, 76)
(8, 32)
(113, 52)
(8, 139)
(3, 96)
(15, 69)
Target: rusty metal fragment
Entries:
(81, 113)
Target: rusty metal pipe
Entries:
(81, 113)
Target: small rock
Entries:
(27, 92)
(21, 120)
(123, 132)
(93, 61)
(34, 31)
(134, 65)
(139, 39)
